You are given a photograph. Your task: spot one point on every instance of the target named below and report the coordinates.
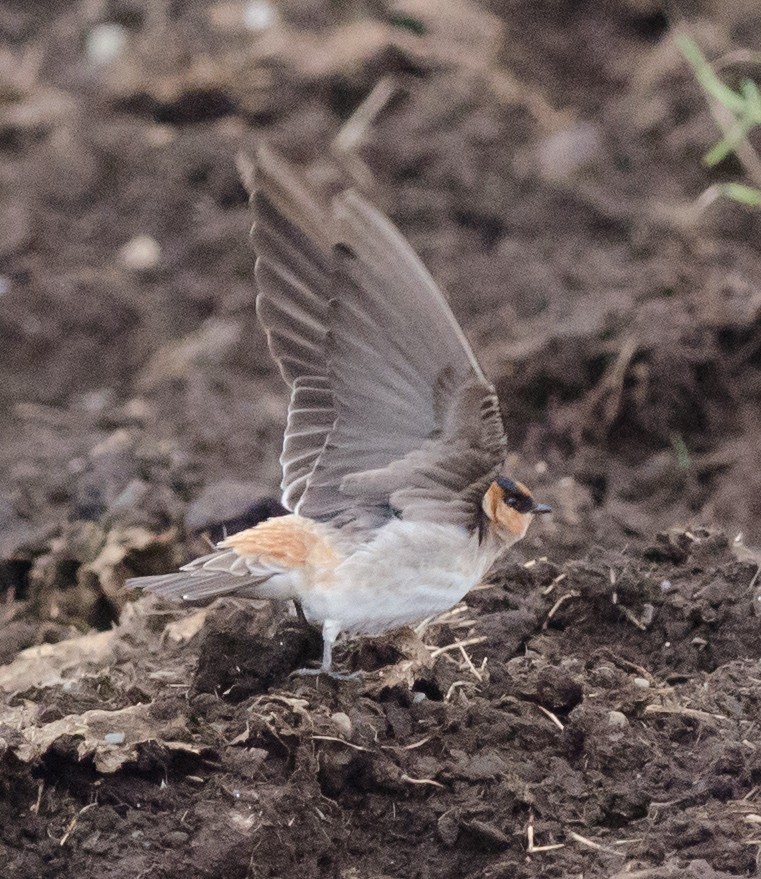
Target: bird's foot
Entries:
(334, 675)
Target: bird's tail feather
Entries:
(196, 587)
(219, 573)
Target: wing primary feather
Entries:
(386, 391)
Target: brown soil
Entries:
(602, 717)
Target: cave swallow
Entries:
(394, 449)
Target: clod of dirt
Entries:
(245, 651)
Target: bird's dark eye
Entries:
(523, 503)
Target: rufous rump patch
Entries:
(289, 541)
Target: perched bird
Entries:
(393, 456)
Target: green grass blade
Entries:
(728, 144)
(741, 193)
(752, 101)
(711, 83)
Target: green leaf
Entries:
(741, 193)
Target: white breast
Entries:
(410, 570)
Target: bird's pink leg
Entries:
(330, 631)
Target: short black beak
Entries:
(538, 509)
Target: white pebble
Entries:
(568, 151)
(105, 42)
(342, 723)
(618, 718)
(643, 683)
(114, 738)
(665, 585)
(140, 253)
(259, 15)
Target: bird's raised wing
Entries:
(389, 408)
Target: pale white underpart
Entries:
(410, 570)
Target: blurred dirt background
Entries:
(594, 710)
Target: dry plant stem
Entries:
(590, 843)
(73, 823)
(755, 577)
(35, 808)
(407, 747)
(469, 662)
(456, 645)
(558, 604)
(686, 712)
(632, 617)
(422, 781)
(737, 56)
(531, 847)
(342, 742)
(352, 134)
(353, 131)
(549, 589)
(439, 619)
(612, 385)
(551, 716)
(455, 686)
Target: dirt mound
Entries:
(593, 710)
(595, 718)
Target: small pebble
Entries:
(97, 401)
(564, 153)
(618, 719)
(665, 585)
(114, 738)
(259, 15)
(140, 253)
(105, 42)
(342, 723)
(644, 683)
(419, 697)
(175, 838)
